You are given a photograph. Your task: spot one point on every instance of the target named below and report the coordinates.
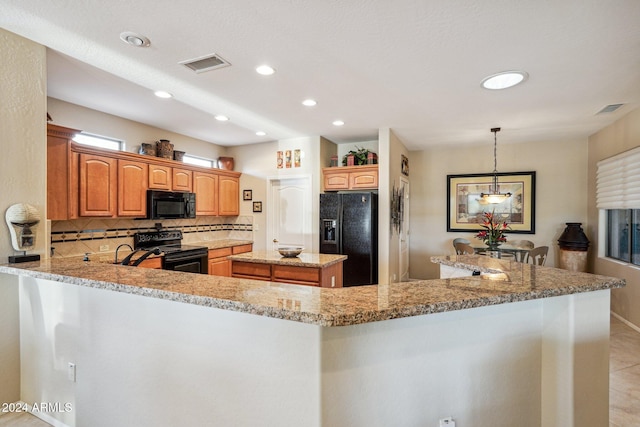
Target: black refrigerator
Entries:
(349, 226)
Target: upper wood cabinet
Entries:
(182, 180)
(58, 166)
(133, 179)
(205, 185)
(160, 177)
(98, 179)
(363, 177)
(88, 181)
(229, 196)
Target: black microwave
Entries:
(170, 205)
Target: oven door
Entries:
(187, 263)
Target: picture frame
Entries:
(405, 165)
(257, 206)
(247, 194)
(464, 207)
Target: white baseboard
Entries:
(626, 322)
(46, 417)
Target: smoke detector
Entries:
(205, 63)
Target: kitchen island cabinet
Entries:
(322, 270)
(521, 345)
(219, 265)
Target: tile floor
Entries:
(624, 384)
(624, 376)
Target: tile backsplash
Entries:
(94, 235)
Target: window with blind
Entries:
(618, 193)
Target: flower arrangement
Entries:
(495, 229)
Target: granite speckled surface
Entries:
(302, 260)
(325, 306)
(218, 244)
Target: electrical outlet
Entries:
(104, 248)
(447, 422)
(71, 372)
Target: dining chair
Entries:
(538, 255)
(463, 249)
(460, 240)
(521, 256)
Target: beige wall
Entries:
(621, 136)
(133, 133)
(561, 192)
(23, 177)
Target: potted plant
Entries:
(358, 157)
(494, 229)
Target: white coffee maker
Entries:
(21, 219)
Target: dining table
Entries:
(518, 252)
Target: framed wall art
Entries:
(247, 194)
(257, 206)
(465, 206)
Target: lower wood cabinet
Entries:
(326, 277)
(219, 265)
(155, 262)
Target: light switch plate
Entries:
(447, 422)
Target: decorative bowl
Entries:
(290, 252)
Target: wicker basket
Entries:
(164, 149)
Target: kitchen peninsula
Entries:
(516, 346)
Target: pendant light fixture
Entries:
(495, 197)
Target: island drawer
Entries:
(291, 274)
(251, 270)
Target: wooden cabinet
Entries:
(58, 168)
(160, 177)
(219, 265)
(88, 181)
(326, 277)
(133, 179)
(363, 177)
(182, 180)
(98, 179)
(155, 262)
(205, 185)
(228, 196)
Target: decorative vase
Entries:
(164, 149)
(147, 149)
(178, 155)
(574, 245)
(226, 163)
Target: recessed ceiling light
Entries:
(221, 118)
(309, 102)
(338, 123)
(162, 94)
(134, 39)
(504, 80)
(265, 70)
(261, 133)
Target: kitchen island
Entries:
(522, 345)
(311, 269)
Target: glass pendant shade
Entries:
(495, 196)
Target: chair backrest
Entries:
(538, 255)
(460, 240)
(522, 243)
(463, 249)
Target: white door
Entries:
(289, 222)
(404, 232)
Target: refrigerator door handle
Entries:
(340, 225)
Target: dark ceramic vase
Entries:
(573, 238)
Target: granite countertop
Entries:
(302, 260)
(218, 244)
(507, 282)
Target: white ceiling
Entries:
(412, 65)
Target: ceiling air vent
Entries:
(610, 108)
(205, 63)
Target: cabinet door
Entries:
(364, 179)
(205, 185)
(160, 177)
(220, 267)
(229, 196)
(182, 180)
(98, 185)
(336, 180)
(58, 168)
(133, 180)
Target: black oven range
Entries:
(178, 257)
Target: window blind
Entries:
(618, 181)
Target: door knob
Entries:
(275, 240)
